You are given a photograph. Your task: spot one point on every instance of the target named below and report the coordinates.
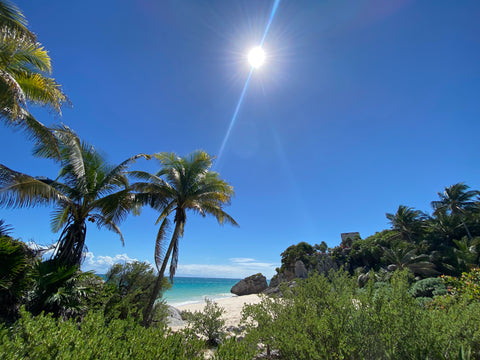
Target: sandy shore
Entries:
(233, 308)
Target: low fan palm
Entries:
(87, 188)
(182, 184)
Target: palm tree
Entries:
(11, 17)
(407, 258)
(24, 74)
(182, 184)
(87, 188)
(457, 200)
(406, 221)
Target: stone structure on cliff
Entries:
(254, 284)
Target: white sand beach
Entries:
(233, 308)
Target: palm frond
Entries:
(117, 174)
(11, 17)
(42, 90)
(19, 190)
(59, 218)
(167, 210)
(221, 216)
(104, 222)
(160, 243)
(115, 206)
(174, 261)
(28, 56)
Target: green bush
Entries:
(44, 337)
(330, 318)
(208, 323)
(428, 288)
(129, 287)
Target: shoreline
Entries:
(232, 305)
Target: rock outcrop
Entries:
(254, 284)
(300, 270)
(174, 317)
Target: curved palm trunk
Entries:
(69, 249)
(467, 230)
(147, 313)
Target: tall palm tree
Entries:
(25, 69)
(181, 184)
(87, 188)
(406, 221)
(457, 200)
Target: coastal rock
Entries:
(325, 263)
(174, 317)
(254, 284)
(300, 270)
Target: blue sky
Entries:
(360, 107)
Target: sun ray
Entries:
(242, 95)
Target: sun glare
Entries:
(256, 57)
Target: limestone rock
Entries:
(174, 317)
(254, 284)
(300, 270)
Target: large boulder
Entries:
(254, 284)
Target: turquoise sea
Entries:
(189, 290)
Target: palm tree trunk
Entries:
(147, 313)
(69, 250)
(466, 229)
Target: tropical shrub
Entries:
(428, 288)
(208, 323)
(331, 318)
(128, 287)
(44, 337)
(466, 286)
(16, 275)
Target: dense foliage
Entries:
(445, 242)
(330, 317)
(44, 337)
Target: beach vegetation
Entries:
(208, 323)
(45, 337)
(330, 317)
(127, 290)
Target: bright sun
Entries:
(256, 57)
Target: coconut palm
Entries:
(182, 184)
(406, 221)
(87, 188)
(11, 17)
(25, 69)
(457, 200)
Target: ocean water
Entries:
(190, 290)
